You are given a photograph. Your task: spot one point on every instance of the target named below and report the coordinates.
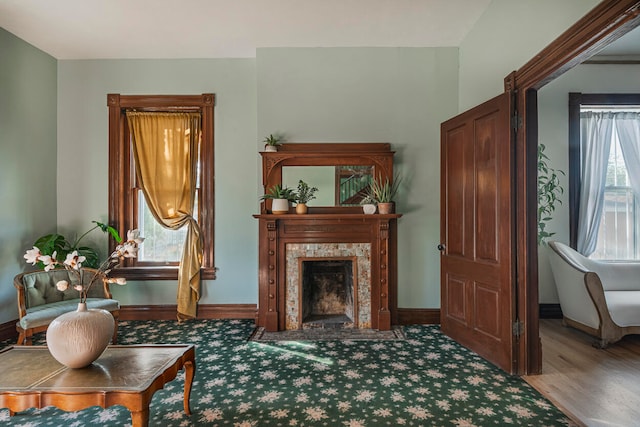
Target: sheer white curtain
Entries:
(595, 134)
(627, 125)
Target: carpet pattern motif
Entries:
(425, 380)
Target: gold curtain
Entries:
(165, 148)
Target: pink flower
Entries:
(74, 260)
(62, 285)
(32, 255)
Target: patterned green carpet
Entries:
(425, 380)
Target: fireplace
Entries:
(355, 248)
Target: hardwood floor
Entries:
(594, 387)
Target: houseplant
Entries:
(77, 338)
(383, 192)
(59, 245)
(280, 198)
(272, 143)
(303, 196)
(549, 192)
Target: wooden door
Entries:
(477, 238)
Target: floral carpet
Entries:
(424, 380)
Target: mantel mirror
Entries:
(342, 172)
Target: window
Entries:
(159, 256)
(618, 233)
(620, 223)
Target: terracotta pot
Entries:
(301, 208)
(280, 206)
(76, 339)
(385, 208)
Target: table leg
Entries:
(140, 418)
(189, 368)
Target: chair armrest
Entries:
(107, 291)
(22, 298)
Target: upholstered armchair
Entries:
(39, 301)
(600, 298)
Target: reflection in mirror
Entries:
(337, 185)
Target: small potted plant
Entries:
(304, 195)
(272, 143)
(368, 205)
(280, 198)
(383, 193)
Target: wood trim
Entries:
(8, 330)
(205, 311)
(418, 316)
(550, 311)
(605, 23)
(608, 21)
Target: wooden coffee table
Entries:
(126, 375)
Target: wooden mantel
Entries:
(276, 231)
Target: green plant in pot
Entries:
(271, 143)
(383, 192)
(280, 197)
(549, 192)
(303, 196)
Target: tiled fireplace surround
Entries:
(287, 240)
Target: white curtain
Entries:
(595, 134)
(627, 125)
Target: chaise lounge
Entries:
(39, 301)
(597, 297)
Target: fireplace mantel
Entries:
(276, 231)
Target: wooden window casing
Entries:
(123, 195)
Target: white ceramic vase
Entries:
(280, 206)
(369, 208)
(76, 339)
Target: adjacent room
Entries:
(207, 181)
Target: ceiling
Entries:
(92, 29)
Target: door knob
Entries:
(441, 247)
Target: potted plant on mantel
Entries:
(304, 195)
(280, 198)
(272, 143)
(383, 193)
(368, 205)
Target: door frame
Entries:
(605, 23)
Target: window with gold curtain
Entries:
(166, 150)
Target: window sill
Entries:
(159, 273)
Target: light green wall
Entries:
(27, 157)
(395, 95)
(82, 162)
(553, 131)
(508, 34)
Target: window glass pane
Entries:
(160, 244)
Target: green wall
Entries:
(27, 157)
(83, 141)
(395, 95)
(507, 35)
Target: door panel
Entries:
(477, 299)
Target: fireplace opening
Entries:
(327, 299)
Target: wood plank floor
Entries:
(593, 387)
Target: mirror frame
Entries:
(376, 154)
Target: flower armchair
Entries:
(600, 298)
(39, 301)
